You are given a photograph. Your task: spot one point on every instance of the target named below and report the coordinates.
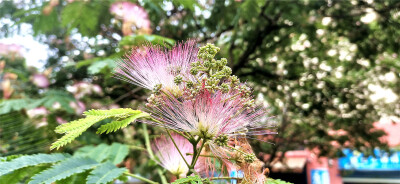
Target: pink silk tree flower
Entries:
(132, 13)
(158, 67)
(168, 155)
(40, 80)
(78, 106)
(39, 111)
(210, 115)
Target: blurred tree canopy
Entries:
(328, 69)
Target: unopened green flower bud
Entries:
(194, 71)
(225, 87)
(178, 79)
(189, 84)
(157, 88)
(207, 64)
(221, 140)
(224, 61)
(249, 158)
(227, 70)
(234, 79)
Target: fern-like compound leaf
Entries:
(104, 173)
(70, 136)
(116, 125)
(189, 180)
(30, 160)
(63, 170)
(121, 112)
(78, 124)
(118, 152)
(75, 128)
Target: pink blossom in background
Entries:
(60, 120)
(81, 89)
(6, 88)
(78, 106)
(56, 105)
(157, 66)
(41, 123)
(40, 80)
(168, 155)
(131, 14)
(11, 50)
(39, 111)
(97, 89)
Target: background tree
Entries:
(324, 67)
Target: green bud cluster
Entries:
(249, 158)
(178, 79)
(249, 104)
(221, 140)
(215, 74)
(208, 52)
(244, 90)
(153, 100)
(157, 88)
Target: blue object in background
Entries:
(236, 174)
(382, 162)
(319, 176)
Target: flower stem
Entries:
(173, 141)
(150, 151)
(140, 178)
(212, 156)
(196, 154)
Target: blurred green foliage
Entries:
(328, 69)
(63, 168)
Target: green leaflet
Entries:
(75, 169)
(116, 125)
(112, 112)
(84, 16)
(64, 169)
(118, 152)
(143, 39)
(98, 153)
(7, 106)
(31, 160)
(189, 180)
(275, 181)
(115, 153)
(75, 128)
(104, 173)
(48, 100)
(22, 174)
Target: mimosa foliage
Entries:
(94, 164)
(121, 118)
(189, 180)
(30, 160)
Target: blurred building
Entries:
(304, 167)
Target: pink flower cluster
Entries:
(131, 15)
(169, 156)
(155, 66)
(11, 50)
(82, 88)
(196, 96)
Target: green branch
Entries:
(151, 154)
(140, 178)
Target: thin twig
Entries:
(151, 154)
(140, 178)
